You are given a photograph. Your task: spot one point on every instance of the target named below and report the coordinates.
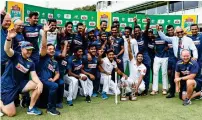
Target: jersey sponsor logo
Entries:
(116, 45)
(34, 34)
(51, 68)
(77, 67)
(77, 42)
(160, 42)
(92, 65)
(140, 43)
(21, 68)
(150, 46)
(197, 42)
(185, 72)
(64, 63)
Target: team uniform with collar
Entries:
(108, 84)
(186, 69)
(133, 78)
(4, 57)
(31, 34)
(160, 60)
(15, 77)
(47, 70)
(198, 43)
(75, 66)
(78, 41)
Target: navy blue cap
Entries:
(26, 45)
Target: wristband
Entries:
(7, 39)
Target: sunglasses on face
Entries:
(179, 32)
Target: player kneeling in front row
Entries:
(16, 78)
(187, 78)
(135, 82)
(106, 66)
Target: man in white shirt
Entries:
(179, 42)
(137, 72)
(106, 66)
(134, 46)
(52, 33)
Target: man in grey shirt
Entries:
(180, 42)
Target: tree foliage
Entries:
(87, 8)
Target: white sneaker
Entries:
(1, 114)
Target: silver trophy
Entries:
(132, 96)
(123, 96)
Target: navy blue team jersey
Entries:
(17, 41)
(77, 41)
(160, 47)
(31, 34)
(48, 67)
(90, 66)
(142, 42)
(197, 39)
(74, 64)
(62, 63)
(118, 43)
(190, 68)
(15, 77)
(170, 50)
(69, 37)
(151, 49)
(4, 57)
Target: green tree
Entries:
(87, 8)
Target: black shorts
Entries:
(8, 95)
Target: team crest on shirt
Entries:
(51, 68)
(21, 68)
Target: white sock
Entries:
(30, 107)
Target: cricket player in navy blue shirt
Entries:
(61, 56)
(67, 34)
(89, 69)
(18, 26)
(74, 74)
(49, 72)
(5, 23)
(160, 60)
(31, 34)
(79, 38)
(171, 63)
(187, 78)
(16, 77)
(142, 41)
(103, 27)
(197, 39)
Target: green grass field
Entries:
(145, 108)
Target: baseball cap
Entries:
(26, 45)
(90, 29)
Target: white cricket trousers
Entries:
(87, 86)
(129, 82)
(125, 61)
(108, 84)
(163, 63)
(73, 87)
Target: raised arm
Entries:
(44, 39)
(129, 50)
(7, 47)
(163, 36)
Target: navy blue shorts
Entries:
(8, 95)
(198, 85)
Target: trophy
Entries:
(132, 96)
(123, 96)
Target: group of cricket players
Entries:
(38, 61)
